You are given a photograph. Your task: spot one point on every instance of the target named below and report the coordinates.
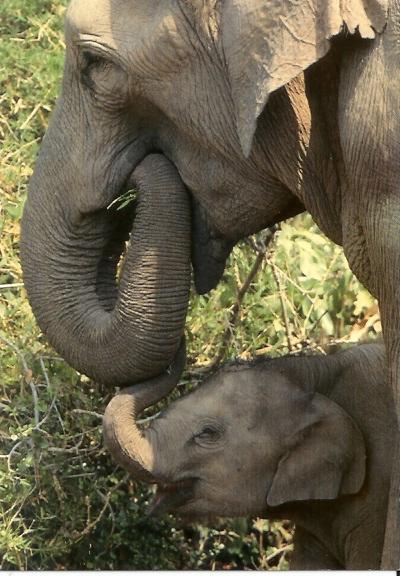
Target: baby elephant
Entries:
(303, 438)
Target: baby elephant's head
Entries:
(250, 438)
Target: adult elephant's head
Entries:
(188, 79)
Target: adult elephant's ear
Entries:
(269, 42)
(324, 459)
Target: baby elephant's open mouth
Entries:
(172, 495)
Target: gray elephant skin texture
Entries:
(228, 116)
(303, 438)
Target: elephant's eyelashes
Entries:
(91, 62)
(106, 80)
(92, 58)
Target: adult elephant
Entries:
(264, 109)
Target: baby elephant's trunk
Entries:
(129, 445)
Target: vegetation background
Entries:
(63, 503)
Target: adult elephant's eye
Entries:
(105, 79)
(92, 63)
(92, 58)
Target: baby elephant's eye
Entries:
(207, 435)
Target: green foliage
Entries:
(63, 503)
(304, 295)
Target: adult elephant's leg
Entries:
(369, 119)
(380, 233)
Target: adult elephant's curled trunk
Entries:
(117, 334)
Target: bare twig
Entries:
(18, 353)
(54, 358)
(35, 403)
(286, 276)
(106, 505)
(77, 451)
(44, 420)
(18, 505)
(11, 286)
(49, 388)
(18, 151)
(81, 475)
(88, 412)
(27, 377)
(261, 249)
(148, 419)
(314, 300)
(30, 117)
(279, 552)
(82, 434)
(112, 515)
(12, 452)
(278, 281)
(45, 374)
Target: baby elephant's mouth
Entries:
(172, 495)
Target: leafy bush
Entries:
(64, 505)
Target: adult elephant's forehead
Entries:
(110, 22)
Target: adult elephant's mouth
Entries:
(210, 250)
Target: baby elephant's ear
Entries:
(325, 459)
(269, 42)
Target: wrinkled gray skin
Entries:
(308, 439)
(263, 109)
